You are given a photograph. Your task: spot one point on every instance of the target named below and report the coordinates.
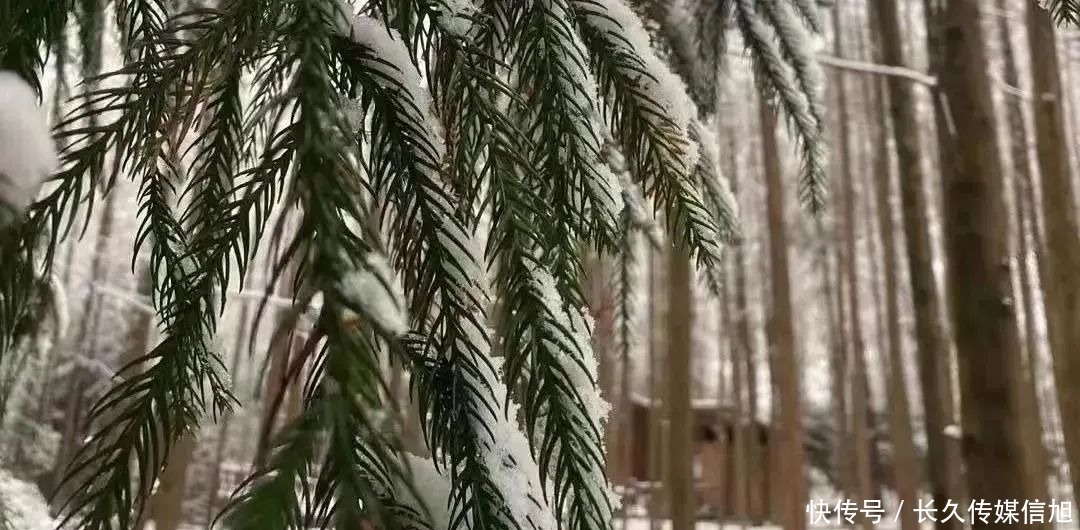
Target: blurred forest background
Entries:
(846, 359)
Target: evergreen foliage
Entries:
(421, 123)
(1064, 11)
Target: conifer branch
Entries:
(190, 264)
(649, 113)
(551, 359)
(452, 373)
(562, 116)
(771, 48)
(809, 12)
(27, 29)
(1063, 11)
(355, 476)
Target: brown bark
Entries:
(841, 450)
(744, 351)
(735, 319)
(137, 344)
(166, 506)
(937, 307)
(278, 378)
(782, 337)
(862, 484)
(600, 298)
(680, 477)
(904, 463)
(931, 340)
(656, 389)
(1031, 429)
(1061, 251)
(979, 270)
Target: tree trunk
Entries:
(84, 344)
(680, 484)
(904, 462)
(1034, 453)
(278, 378)
(956, 486)
(654, 404)
(979, 267)
(166, 506)
(737, 329)
(222, 443)
(600, 298)
(137, 343)
(744, 348)
(841, 450)
(931, 341)
(1061, 285)
(782, 337)
(862, 485)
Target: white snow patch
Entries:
(354, 114)
(375, 290)
(510, 462)
(430, 489)
(27, 153)
(710, 155)
(624, 30)
(388, 46)
(953, 431)
(22, 505)
(608, 189)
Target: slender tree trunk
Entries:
(782, 337)
(680, 486)
(84, 345)
(141, 330)
(734, 320)
(841, 450)
(166, 506)
(1027, 403)
(222, 443)
(943, 363)
(744, 351)
(1060, 220)
(862, 486)
(979, 267)
(740, 423)
(931, 341)
(601, 302)
(653, 406)
(904, 462)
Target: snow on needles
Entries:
(397, 65)
(719, 186)
(577, 360)
(582, 371)
(622, 29)
(374, 290)
(455, 16)
(510, 463)
(27, 153)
